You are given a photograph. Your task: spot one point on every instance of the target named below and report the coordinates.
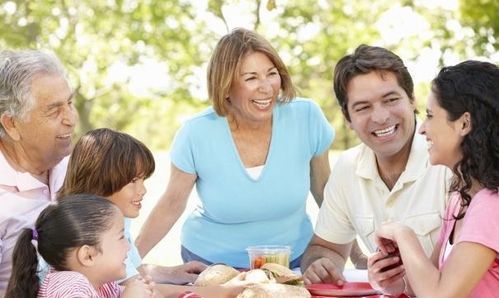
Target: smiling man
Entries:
(387, 177)
(37, 121)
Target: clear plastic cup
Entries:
(261, 254)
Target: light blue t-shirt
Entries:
(133, 259)
(238, 211)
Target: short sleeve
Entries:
(481, 222)
(181, 152)
(321, 132)
(333, 222)
(133, 260)
(111, 290)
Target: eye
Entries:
(273, 73)
(54, 112)
(249, 79)
(429, 116)
(361, 108)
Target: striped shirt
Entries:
(72, 284)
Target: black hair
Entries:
(473, 87)
(75, 221)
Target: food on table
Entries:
(281, 280)
(283, 275)
(260, 255)
(257, 276)
(216, 275)
(272, 290)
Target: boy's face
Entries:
(381, 113)
(129, 197)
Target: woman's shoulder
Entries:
(300, 108)
(486, 196)
(202, 118)
(300, 103)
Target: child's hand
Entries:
(138, 288)
(150, 284)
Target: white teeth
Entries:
(385, 132)
(262, 103)
(429, 144)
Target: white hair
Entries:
(17, 71)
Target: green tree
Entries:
(94, 37)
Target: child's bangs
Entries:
(144, 164)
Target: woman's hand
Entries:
(386, 237)
(386, 272)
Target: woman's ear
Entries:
(86, 255)
(466, 124)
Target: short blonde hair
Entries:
(226, 61)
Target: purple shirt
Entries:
(22, 198)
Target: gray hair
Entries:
(17, 71)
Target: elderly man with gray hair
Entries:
(37, 121)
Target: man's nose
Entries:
(380, 115)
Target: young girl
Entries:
(114, 165)
(462, 130)
(82, 239)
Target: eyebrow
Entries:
(59, 103)
(254, 72)
(389, 93)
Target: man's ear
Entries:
(86, 255)
(349, 123)
(9, 125)
(466, 124)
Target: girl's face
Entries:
(129, 197)
(444, 137)
(110, 261)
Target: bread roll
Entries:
(215, 275)
(282, 274)
(274, 291)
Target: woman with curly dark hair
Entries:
(462, 130)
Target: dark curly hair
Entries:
(473, 87)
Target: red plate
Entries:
(349, 289)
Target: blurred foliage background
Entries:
(139, 65)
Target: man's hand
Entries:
(323, 270)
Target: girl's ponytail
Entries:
(24, 281)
